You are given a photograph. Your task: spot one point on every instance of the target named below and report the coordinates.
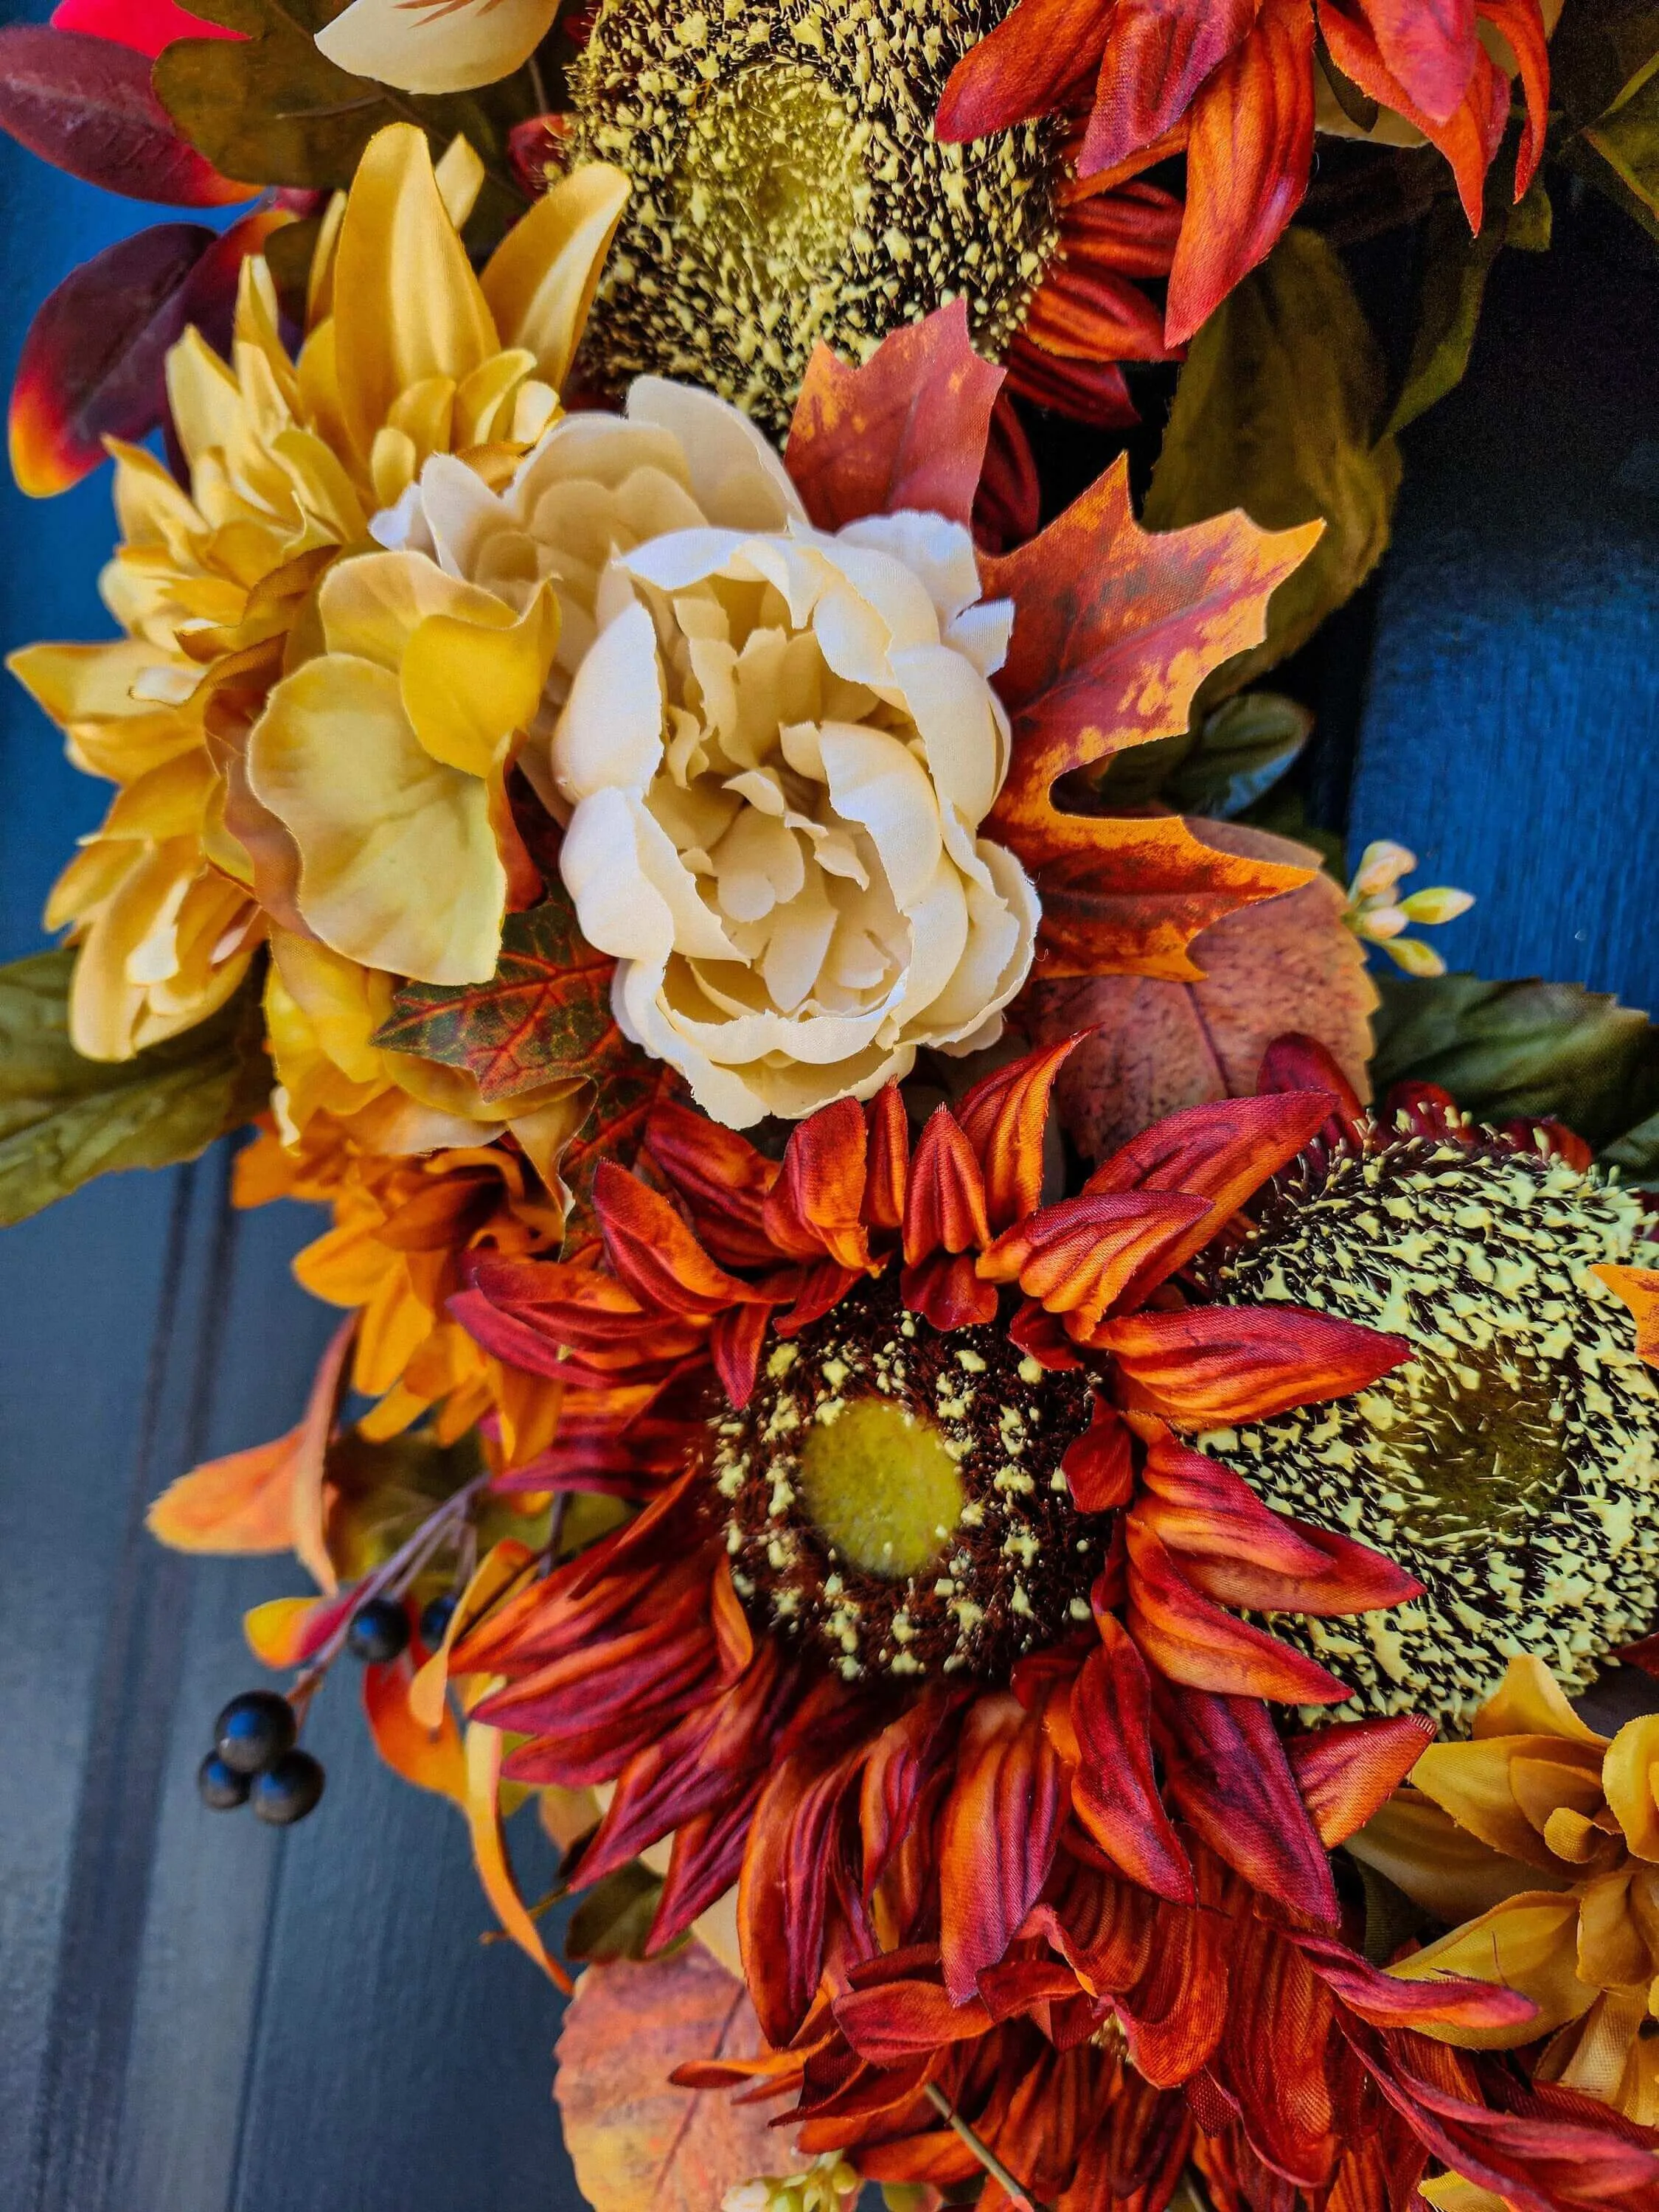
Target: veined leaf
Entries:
(64, 1119)
(1529, 1048)
(544, 1016)
(1238, 751)
(85, 105)
(270, 105)
(1278, 412)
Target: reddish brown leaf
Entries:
(908, 429)
(93, 365)
(85, 105)
(638, 2143)
(1157, 1044)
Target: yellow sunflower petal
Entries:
(1528, 1943)
(406, 303)
(541, 279)
(1629, 1775)
(465, 688)
(1529, 1701)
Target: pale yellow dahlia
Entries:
(771, 749)
(407, 353)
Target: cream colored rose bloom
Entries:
(771, 749)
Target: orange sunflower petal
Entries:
(1226, 1771)
(1113, 1787)
(1098, 1465)
(1003, 1118)
(1156, 58)
(1043, 52)
(997, 1836)
(1192, 1640)
(656, 1254)
(1638, 1289)
(1250, 146)
(721, 1178)
(887, 1172)
(944, 1203)
(814, 1209)
(1213, 1367)
(1075, 1257)
(1347, 1770)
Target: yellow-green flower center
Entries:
(788, 188)
(1512, 1463)
(880, 1486)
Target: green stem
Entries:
(982, 2150)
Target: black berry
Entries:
(380, 1629)
(435, 1616)
(254, 1730)
(289, 1790)
(220, 1788)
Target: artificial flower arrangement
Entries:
(1023, 1469)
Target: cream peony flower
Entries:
(771, 749)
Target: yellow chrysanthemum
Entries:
(407, 353)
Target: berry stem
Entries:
(1023, 2201)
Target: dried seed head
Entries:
(788, 188)
(893, 1495)
(1513, 1463)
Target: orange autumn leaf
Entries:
(268, 1499)
(1638, 1288)
(908, 429)
(1115, 630)
(638, 2143)
(284, 1632)
(482, 1749)
(430, 1757)
(1155, 1044)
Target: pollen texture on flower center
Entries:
(788, 188)
(894, 1496)
(1511, 1463)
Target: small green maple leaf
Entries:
(544, 1016)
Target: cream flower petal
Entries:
(375, 817)
(435, 47)
(876, 782)
(938, 553)
(609, 735)
(633, 895)
(737, 479)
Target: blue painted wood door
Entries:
(196, 2015)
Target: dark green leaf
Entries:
(1454, 272)
(1243, 749)
(64, 1119)
(1604, 51)
(613, 1920)
(269, 108)
(1278, 412)
(1391, 1918)
(1523, 1047)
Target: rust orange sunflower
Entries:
(927, 1575)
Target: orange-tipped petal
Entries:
(813, 1211)
(1215, 1367)
(656, 1254)
(944, 1203)
(431, 1758)
(1156, 58)
(1347, 1770)
(1226, 1772)
(483, 1818)
(1249, 148)
(1191, 1640)
(1428, 46)
(284, 1632)
(1003, 1119)
(906, 429)
(997, 1836)
(1113, 1787)
(904, 1759)
(1075, 1258)
(945, 1290)
(1521, 25)
(1040, 54)
(734, 1344)
(721, 1178)
(783, 1891)
(1222, 1152)
(887, 1173)
(1297, 1062)
(1468, 137)
(1099, 1465)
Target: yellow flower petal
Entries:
(435, 48)
(1629, 1775)
(541, 279)
(399, 866)
(1440, 1866)
(372, 606)
(1529, 1701)
(465, 689)
(1612, 1949)
(406, 303)
(1450, 2192)
(1471, 1781)
(1527, 1943)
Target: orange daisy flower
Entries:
(1233, 83)
(1125, 2038)
(926, 1570)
